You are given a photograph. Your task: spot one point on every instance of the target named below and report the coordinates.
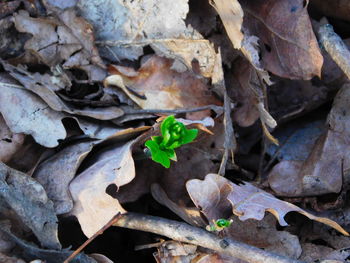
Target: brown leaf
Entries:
(289, 46)
(29, 200)
(68, 39)
(92, 205)
(248, 201)
(28, 114)
(231, 15)
(323, 171)
(159, 87)
(10, 142)
(56, 173)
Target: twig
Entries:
(335, 47)
(217, 109)
(87, 242)
(189, 234)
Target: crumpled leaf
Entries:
(31, 252)
(159, 87)
(92, 205)
(247, 201)
(46, 86)
(325, 168)
(29, 200)
(28, 114)
(68, 39)
(288, 51)
(131, 25)
(10, 142)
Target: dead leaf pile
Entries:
(85, 83)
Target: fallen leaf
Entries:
(132, 25)
(55, 174)
(322, 172)
(68, 40)
(10, 142)
(29, 200)
(190, 214)
(159, 87)
(46, 86)
(7, 8)
(28, 114)
(288, 51)
(247, 201)
(30, 251)
(92, 205)
(231, 14)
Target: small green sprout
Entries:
(219, 225)
(174, 134)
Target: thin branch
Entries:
(335, 47)
(193, 235)
(87, 242)
(218, 110)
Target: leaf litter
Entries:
(82, 85)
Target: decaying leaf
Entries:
(322, 172)
(289, 46)
(92, 205)
(9, 142)
(231, 14)
(28, 114)
(56, 173)
(247, 201)
(29, 200)
(30, 251)
(131, 25)
(157, 86)
(68, 39)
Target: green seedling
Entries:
(174, 135)
(219, 225)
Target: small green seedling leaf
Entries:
(219, 225)
(174, 135)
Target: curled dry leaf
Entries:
(130, 26)
(29, 200)
(287, 51)
(46, 86)
(157, 86)
(92, 205)
(247, 201)
(28, 114)
(10, 142)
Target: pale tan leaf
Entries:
(92, 205)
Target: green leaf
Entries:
(158, 155)
(190, 135)
(171, 154)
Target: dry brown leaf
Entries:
(10, 142)
(323, 171)
(190, 214)
(28, 114)
(130, 26)
(250, 202)
(92, 205)
(231, 15)
(289, 46)
(30, 202)
(159, 87)
(56, 172)
(68, 39)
